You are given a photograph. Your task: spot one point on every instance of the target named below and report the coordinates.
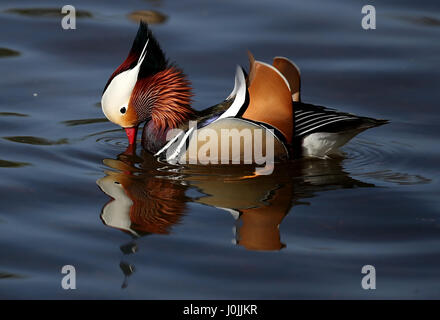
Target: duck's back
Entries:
(264, 104)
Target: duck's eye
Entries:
(123, 110)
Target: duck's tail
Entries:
(310, 118)
(320, 132)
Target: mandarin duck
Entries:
(147, 88)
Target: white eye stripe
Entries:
(117, 95)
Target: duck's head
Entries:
(146, 87)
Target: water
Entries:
(378, 206)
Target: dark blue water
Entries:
(304, 232)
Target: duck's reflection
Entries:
(126, 267)
(143, 202)
(150, 197)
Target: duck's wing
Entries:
(265, 97)
(311, 119)
(173, 148)
(236, 112)
(292, 73)
(232, 107)
(270, 98)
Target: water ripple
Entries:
(362, 155)
(111, 141)
(46, 12)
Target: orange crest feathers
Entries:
(165, 97)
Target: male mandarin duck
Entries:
(146, 88)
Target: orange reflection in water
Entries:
(150, 197)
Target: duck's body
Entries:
(148, 89)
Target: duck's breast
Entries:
(233, 140)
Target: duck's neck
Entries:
(171, 93)
(169, 96)
(153, 138)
